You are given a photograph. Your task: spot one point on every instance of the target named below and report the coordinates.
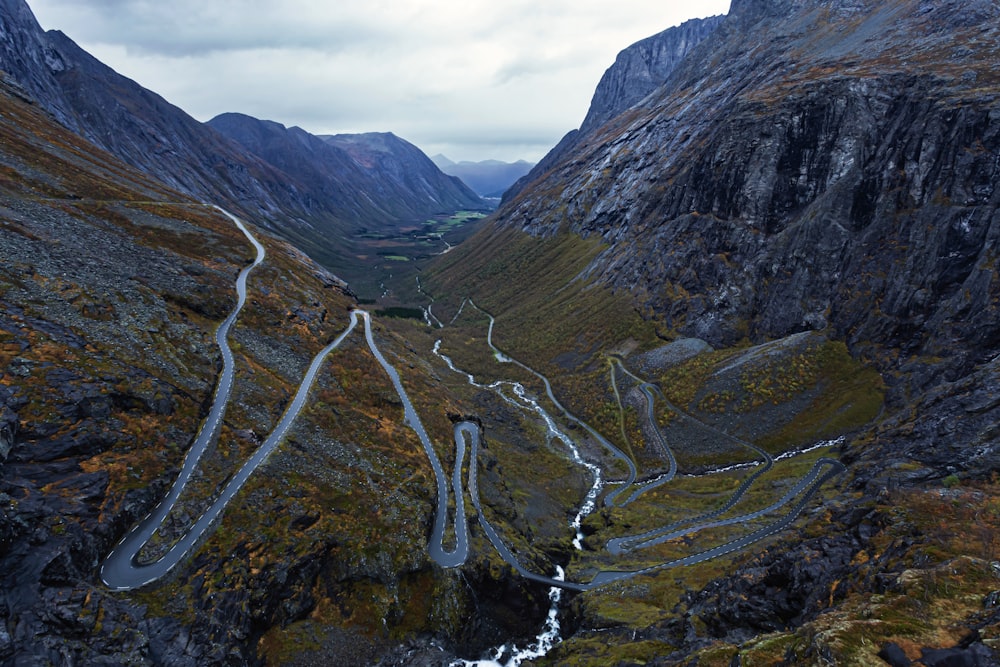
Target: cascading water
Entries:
(524, 401)
(549, 636)
(512, 656)
(554, 432)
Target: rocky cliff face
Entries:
(812, 165)
(638, 71)
(818, 165)
(28, 58)
(643, 67)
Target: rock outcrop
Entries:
(27, 57)
(643, 67)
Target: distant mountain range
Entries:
(306, 189)
(488, 178)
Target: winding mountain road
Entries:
(615, 451)
(804, 490)
(121, 571)
(664, 448)
(436, 548)
(663, 533)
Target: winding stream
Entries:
(121, 571)
(804, 489)
(615, 451)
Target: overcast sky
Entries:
(473, 79)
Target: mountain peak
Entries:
(441, 161)
(28, 57)
(643, 67)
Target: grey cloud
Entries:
(474, 79)
(186, 28)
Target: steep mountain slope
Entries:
(26, 55)
(814, 165)
(109, 287)
(112, 286)
(316, 211)
(366, 195)
(399, 165)
(392, 181)
(643, 67)
(807, 179)
(488, 178)
(135, 124)
(637, 71)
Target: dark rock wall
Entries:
(834, 167)
(26, 56)
(643, 67)
(638, 71)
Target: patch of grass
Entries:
(401, 312)
(850, 396)
(548, 315)
(598, 650)
(683, 382)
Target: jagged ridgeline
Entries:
(768, 253)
